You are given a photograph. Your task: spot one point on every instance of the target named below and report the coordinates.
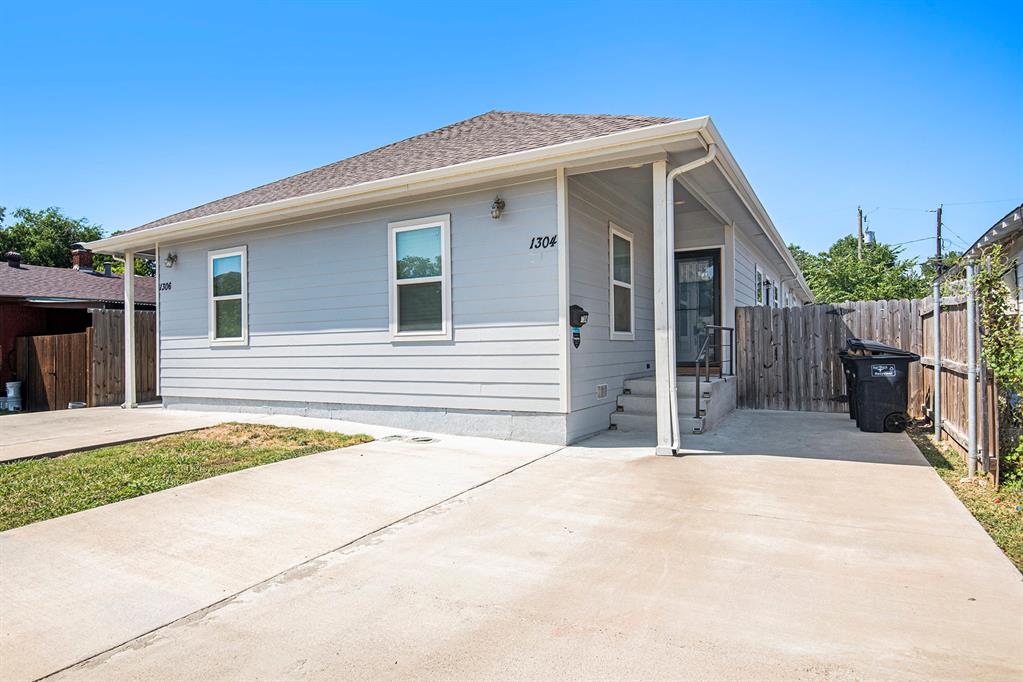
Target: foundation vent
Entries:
(601, 391)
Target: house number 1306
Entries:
(543, 242)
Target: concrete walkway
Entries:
(769, 555)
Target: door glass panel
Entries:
(696, 303)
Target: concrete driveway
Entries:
(839, 556)
(44, 434)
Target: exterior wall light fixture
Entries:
(497, 208)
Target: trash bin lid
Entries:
(875, 347)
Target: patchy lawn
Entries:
(998, 511)
(40, 489)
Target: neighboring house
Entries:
(36, 300)
(1008, 232)
(431, 283)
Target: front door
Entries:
(697, 302)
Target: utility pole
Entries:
(859, 232)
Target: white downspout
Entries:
(712, 152)
(971, 372)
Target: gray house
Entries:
(434, 283)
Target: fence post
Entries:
(971, 373)
(937, 360)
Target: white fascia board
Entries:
(733, 173)
(471, 172)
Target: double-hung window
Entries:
(621, 294)
(420, 278)
(228, 315)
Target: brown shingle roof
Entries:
(37, 281)
(494, 133)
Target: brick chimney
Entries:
(81, 259)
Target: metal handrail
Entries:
(704, 356)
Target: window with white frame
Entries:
(776, 301)
(420, 278)
(228, 313)
(759, 286)
(621, 293)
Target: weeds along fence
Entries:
(788, 360)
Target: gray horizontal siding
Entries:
(318, 313)
(594, 200)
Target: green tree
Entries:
(838, 274)
(46, 237)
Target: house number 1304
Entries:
(543, 242)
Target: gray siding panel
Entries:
(594, 200)
(318, 313)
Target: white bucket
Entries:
(14, 389)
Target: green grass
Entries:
(996, 510)
(40, 489)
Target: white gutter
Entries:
(666, 377)
(532, 160)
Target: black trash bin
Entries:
(877, 377)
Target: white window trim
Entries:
(614, 230)
(444, 222)
(243, 340)
(758, 285)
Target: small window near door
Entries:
(228, 318)
(621, 294)
(760, 286)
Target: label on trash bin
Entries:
(882, 370)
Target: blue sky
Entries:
(125, 113)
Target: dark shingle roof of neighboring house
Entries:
(494, 133)
(37, 281)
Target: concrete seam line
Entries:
(198, 613)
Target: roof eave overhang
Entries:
(472, 172)
(733, 173)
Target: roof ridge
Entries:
(489, 134)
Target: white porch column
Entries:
(664, 357)
(129, 330)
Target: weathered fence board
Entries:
(107, 356)
(788, 357)
(53, 369)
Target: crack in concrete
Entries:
(297, 572)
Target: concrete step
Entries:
(647, 404)
(686, 386)
(623, 421)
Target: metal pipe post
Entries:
(971, 372)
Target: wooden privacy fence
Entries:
(954, 382)
(89, 366)
(53, 370)
(787, 359)
(107, 357)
